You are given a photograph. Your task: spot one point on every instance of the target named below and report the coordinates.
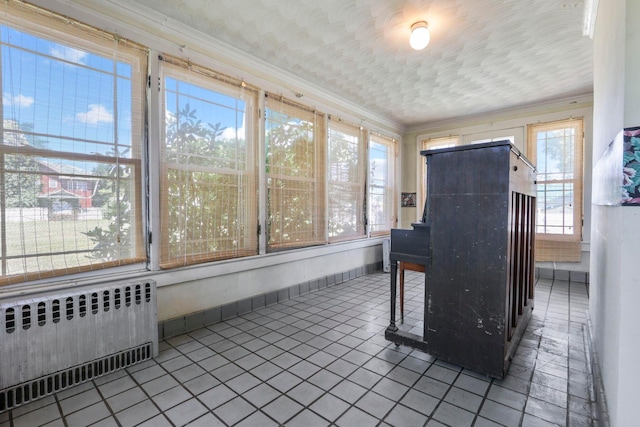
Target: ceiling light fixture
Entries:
(419, 35)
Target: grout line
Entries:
(535, 364)
(62, 415)
(363, 302)
(104, 400)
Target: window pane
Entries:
(346, 182)
(208, 190)
(295, 175)
(70, 155)
(381, 185)
(556, 160)
(510, 138)
(556, 148)
(555, 208)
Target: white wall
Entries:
(199, 288)
(615, 285)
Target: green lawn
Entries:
(47, 237)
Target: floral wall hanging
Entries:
(631, 167)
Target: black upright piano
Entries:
(476, 241)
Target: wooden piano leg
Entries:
(401, 292)
(394, 273)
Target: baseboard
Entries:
(180, 325)
(566, 275)
(599, 411)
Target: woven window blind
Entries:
(209, 183)
(382, 197)
(70, 150)
(295, 139)
(556, 148)
(346, 180)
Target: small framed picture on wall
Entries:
(408, 200)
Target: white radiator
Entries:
(52, 342)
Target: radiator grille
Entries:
(12, 397)
(51, 342)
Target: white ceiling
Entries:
(484, 55)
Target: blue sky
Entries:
(211, 106)
(69, 95)
(64, 92)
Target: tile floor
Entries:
(321, 359)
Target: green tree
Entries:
(345, 192)
(205, 187)
(203, 212)
(21, 189)
(32, 140)
(21, 185)
(291, 160)
(104, 190)
(116, 241)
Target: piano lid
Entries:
(500, 143)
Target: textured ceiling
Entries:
(484, 55)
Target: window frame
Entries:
(389, 191)
(555, 246)
(72, 34)
(183, 71)
(148, 130)
(316, 234)
(356, 185)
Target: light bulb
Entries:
(419, 35)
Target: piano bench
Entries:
(402, 266)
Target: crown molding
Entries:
(561, 104)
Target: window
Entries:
(509, 138)
(72, 111)
(77, 185)
(430, 144)
(382, 208)
(295, 167)
(346, 177)
(556, 149)
(208, 187)
(515, 135)
(77, 192)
